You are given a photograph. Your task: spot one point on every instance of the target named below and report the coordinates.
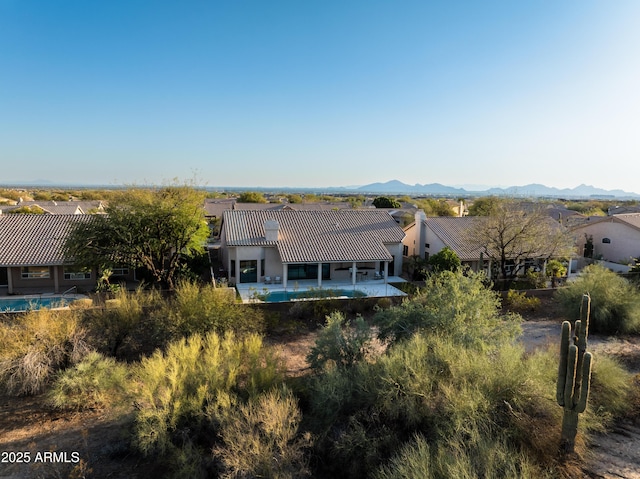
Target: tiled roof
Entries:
(455, 233)
(34, 240)
(632, 219)
(317, 236)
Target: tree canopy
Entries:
(510, 235)
(252, 197)
(385, 202)
(445, 260)
(149, 228)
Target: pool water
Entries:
(285, 296)
(8, 305)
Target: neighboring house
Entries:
(614, 238)
(427, 236)
(289, 245)
(58, 207)
(31, 257)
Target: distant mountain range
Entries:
(582, 191)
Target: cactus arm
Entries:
(570, 381)
(586, 376)
(562, 368)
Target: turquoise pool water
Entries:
(27, 304)
(285, 296)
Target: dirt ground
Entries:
(91, 444)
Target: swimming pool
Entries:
(29, 303)
(286, 296)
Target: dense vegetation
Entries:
(439, 388)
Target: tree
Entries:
(252, 197)
(385, 202)
(150, 228)
(445, 260)
(484, 206)
(510, 235)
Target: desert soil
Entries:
(97, 439)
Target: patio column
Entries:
(386, 271)
(56, 283)
(284, 275)
(237, 260)
(319, 275)
(9, 280)
(353, 273)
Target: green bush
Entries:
(94, 382)
(35, 346)
(183, 393)
(519, 301)
(490, 459)
(615, 303)
(261, 438)
(454, 304)
(340, 343)
(204, 308)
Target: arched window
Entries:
(606, 240)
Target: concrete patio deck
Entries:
(376, 288)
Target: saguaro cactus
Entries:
(574, 375)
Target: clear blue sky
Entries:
(321, 93)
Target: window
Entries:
(606, 240)
(35, 272)
(119, 271)
(405, 250)
(76, 272)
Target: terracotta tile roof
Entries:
(317, 236)
(34, 240)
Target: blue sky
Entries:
(321, 93)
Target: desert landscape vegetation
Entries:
(177, 378)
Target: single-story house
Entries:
(614, 238)
(31, 256)
(284, 245)
(428, 236)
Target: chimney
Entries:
(271, 228)
(421, 236)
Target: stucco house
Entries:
(614, 238)
(285, 245)
(428, 236)
(31, 256)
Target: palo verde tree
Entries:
(152, 228)
(509, 235)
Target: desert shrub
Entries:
(94, 382)
(181, 393)
(35, 346)
(203, 308)
(610, 387)
(490, 459)
(261, 438)
(340, 343)
(444, 390)
(454, 304)
(519, 301)
(126, 321)
(615, 303)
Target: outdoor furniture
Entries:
(278, 280)
(267, 280)
(377, 275)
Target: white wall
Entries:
(625, 240)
